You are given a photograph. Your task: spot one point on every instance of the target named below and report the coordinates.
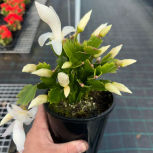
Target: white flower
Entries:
(103, 50)
(97, 31)
(121, 87)
(83, 22)
(125, 62)
(43, 72)
(66, 91)
(63, 80)
(6, 118)
(110, 87)
(66, 65)
(105, 30)
(29, 68)
(49, 16)
(41, 99)
(21, 117)
(115, 51)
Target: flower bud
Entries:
(115, 51)
(66, 91)
(83, 22)
(103, 50)
(6, 118)
(121, 87)
(63, 79)
(125, 62)
(38, 100)
(97, 31)
(110, 87)
(29, 68)
(105, 30)
(43, 72)
(66, 65)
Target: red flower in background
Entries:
(12, 18)
(13, 21)
(12, 7)
(5, 32)
(13, 11)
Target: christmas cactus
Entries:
(78, 75)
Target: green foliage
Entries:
(26, 94)
(85, 74)
(55, 95)
(94, 41)
(96, 85)
(109, 68)
(43, 65)
(75, 52)
(91, 50)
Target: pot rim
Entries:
(102, 115)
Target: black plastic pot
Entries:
(91, 129)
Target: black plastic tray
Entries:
(15, 34)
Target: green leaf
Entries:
(55, 95)
(109, 68)
(98, 71)
(96, 85)
(26, 94)
(50, 82)
(71, 47)
(106, 58)
(75, 53)
(88, 66)
(42, 86)
(61, 60)
(91, 50)
(94, 41)
(43, 65)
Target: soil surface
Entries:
(95, 104)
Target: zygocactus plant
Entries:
(79, 71)
(79, 65)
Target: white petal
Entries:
(41, 99)
(43, 73)
(97, 31)
(19, 135)
(121, 87)
(49, 16)
(125, 62)
(31, 115)
(103, 50)
(110, 87)
(66, 65)
(8, 130)
(104, 31)
(114, 51)
(43, 38)
(84, 21)
(66, 91)
(63, 79)
(57, 46)
(29, 68)
(67, 30)
(33, 111)
(6, 118)
(17, 112)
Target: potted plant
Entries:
(78, 99)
